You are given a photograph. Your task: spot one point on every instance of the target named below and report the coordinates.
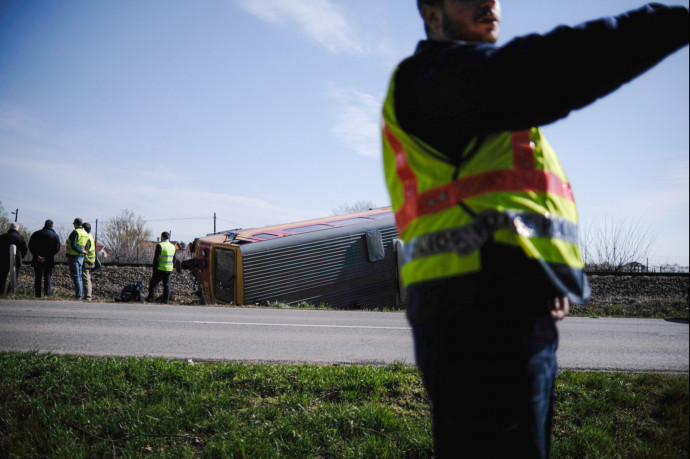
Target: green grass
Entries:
(300, 305)
(64, 406)
(621, 415)
(641, 309)
(84, 407)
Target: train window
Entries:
(224, 275)
(352, 221)
(305, 229)
(375, 246)
(264, 235)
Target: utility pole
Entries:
(214, 222)
(16, 215)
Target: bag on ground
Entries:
(131, 292)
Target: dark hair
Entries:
(87, 227)
(165, 235)
(77, 221)
(49, 224)
(421, 3)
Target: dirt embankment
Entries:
(108, 282)
(623, 291)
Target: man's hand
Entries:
(561, 308)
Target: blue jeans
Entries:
(491, 384)
(75, 265)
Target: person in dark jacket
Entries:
(44, 244)
(12, 237)
(488, 267)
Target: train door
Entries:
(224, 274)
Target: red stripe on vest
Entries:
(407, 212)
(521, 179)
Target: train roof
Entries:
(252, 235)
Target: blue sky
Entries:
(267, 111)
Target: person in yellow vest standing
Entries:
(487, 215)
(75, 249)
(163, 262)
(89, 262)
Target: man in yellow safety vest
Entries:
(89, 262)
(163, 262)
(75, 249)
(486, 212)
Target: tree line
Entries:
(611, 245)
(125, 235)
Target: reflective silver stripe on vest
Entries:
(467, 239)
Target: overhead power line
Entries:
(181, 218)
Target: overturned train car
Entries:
(347, 261)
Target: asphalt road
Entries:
(275, 335)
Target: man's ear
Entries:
(433, 18)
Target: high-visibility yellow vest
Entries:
(91, 253)
(510, 188)
(82, 238)
(165, 262)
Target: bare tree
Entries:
(63, 230)
(4, 219)
(615, 245)
(358, 206)
(127, 237)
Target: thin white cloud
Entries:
(358, 121)
(154, 196)
(321, 21)
(664, 197)
(679, 175)
(18, 122)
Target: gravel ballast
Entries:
(607, 290)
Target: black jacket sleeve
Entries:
(448, 93)
(72, 240)
(157, 256)
(34, 245)
(56, 242)
(22, 247)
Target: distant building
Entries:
(634, 267)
